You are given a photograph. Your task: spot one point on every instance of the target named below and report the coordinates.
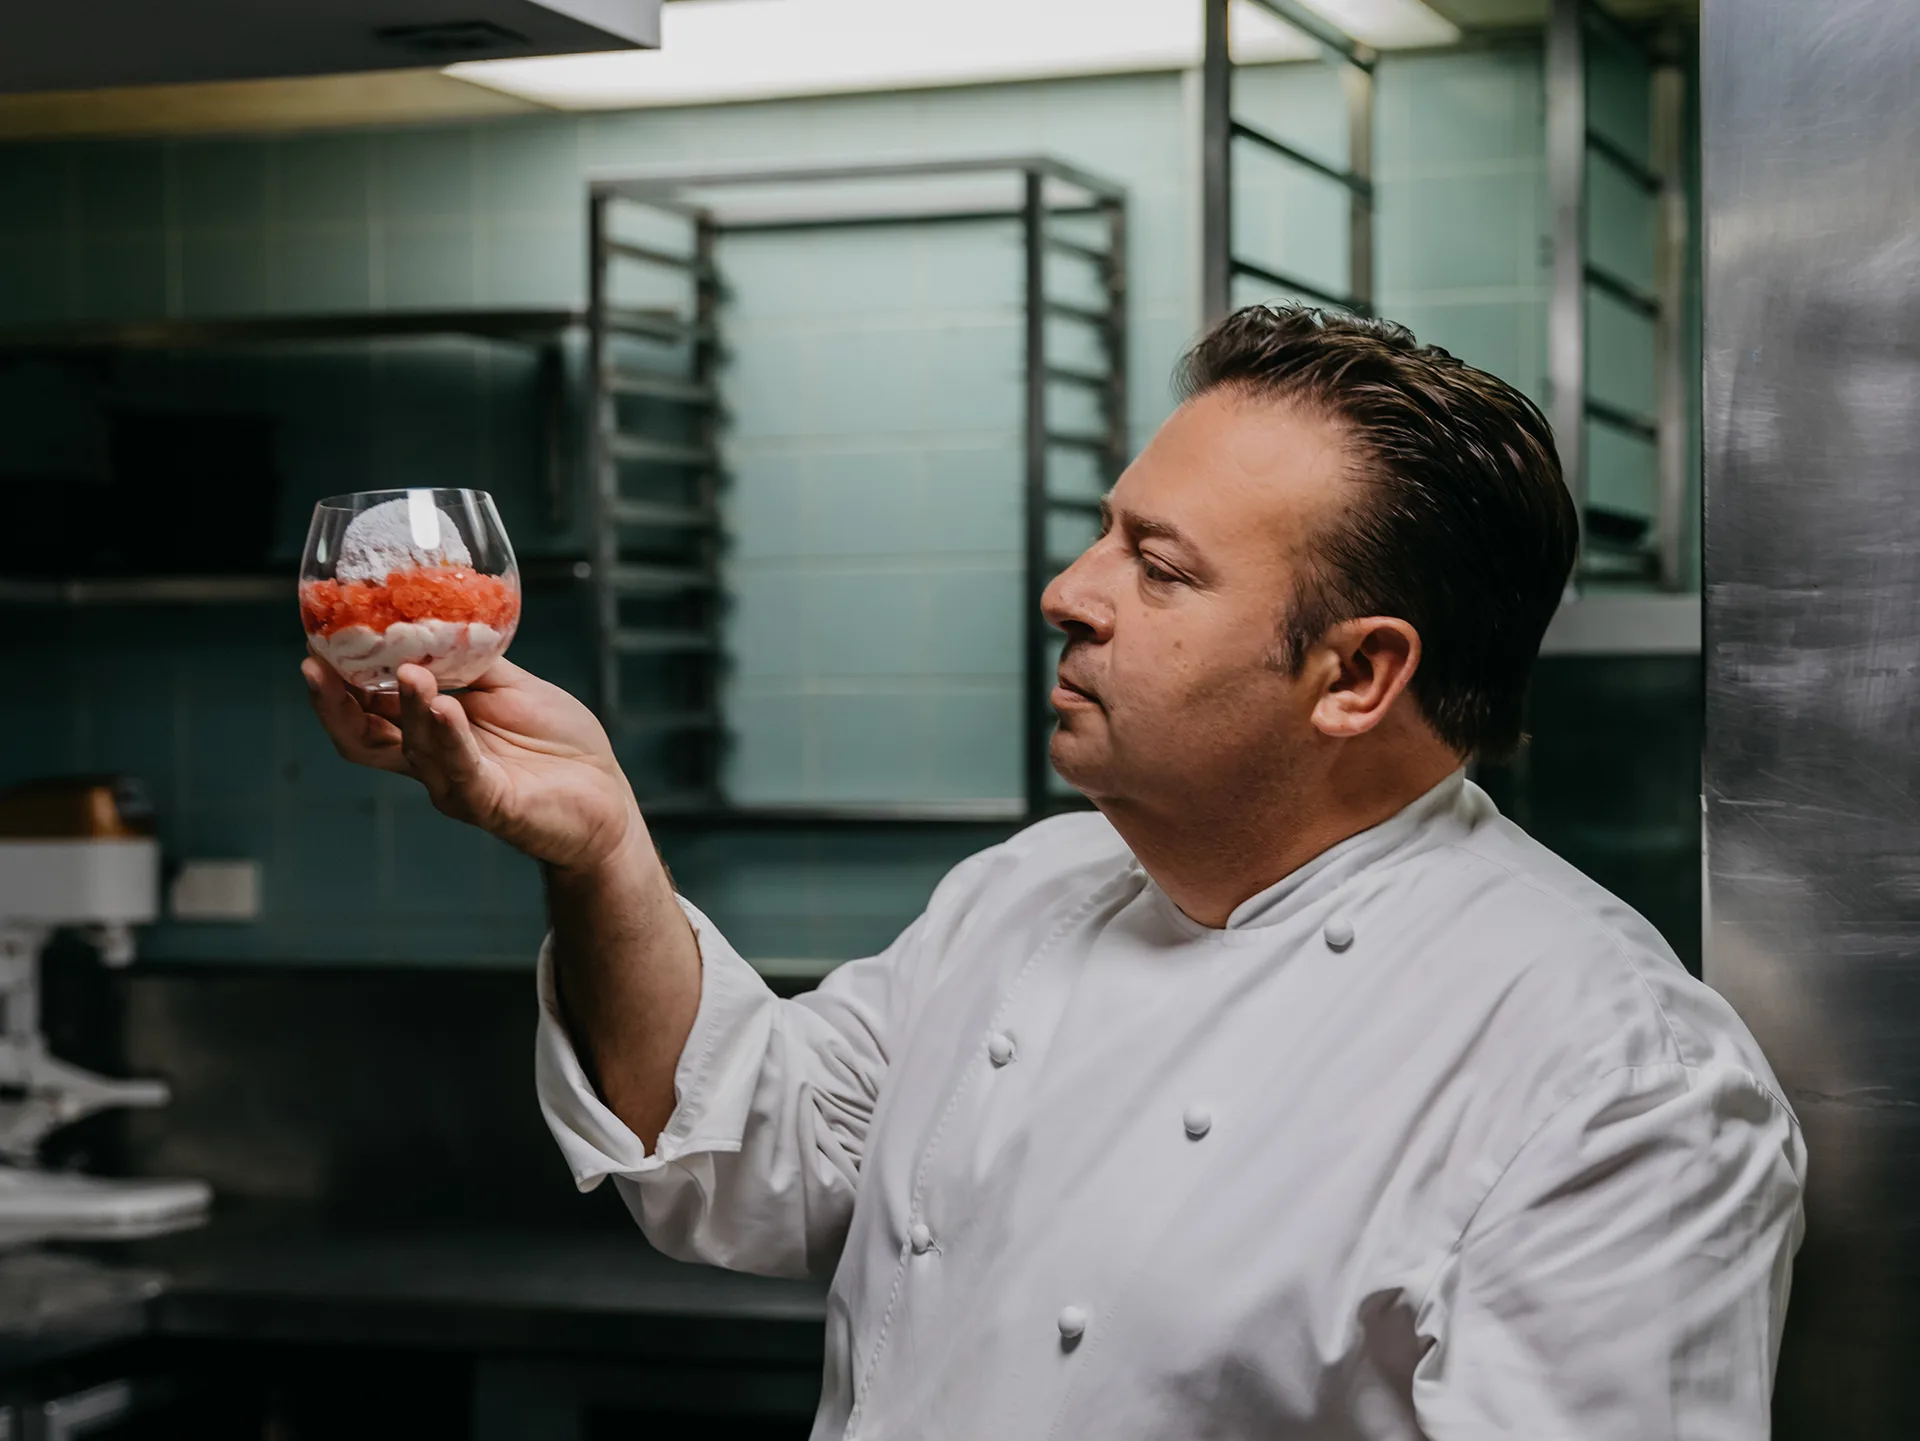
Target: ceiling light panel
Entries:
(718, 50)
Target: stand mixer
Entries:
(73, 855)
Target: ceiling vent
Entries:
(450, 39)
(101, 44)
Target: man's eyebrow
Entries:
(1141, 525)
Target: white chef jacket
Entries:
(1435, 1139)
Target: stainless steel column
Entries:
(1356, 84)
(1672, 382)
(1811, 129)
(603, 546)
(1036, 721)
(1567, 302)
(1219, 264)
(1216, 165)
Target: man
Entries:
(1290, 1094)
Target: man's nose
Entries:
(1076, 600)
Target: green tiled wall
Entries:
(873, 504)
(876, 592)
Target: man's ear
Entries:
(1376, 657)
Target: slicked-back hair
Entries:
(1461, 524)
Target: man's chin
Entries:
(1078, 761)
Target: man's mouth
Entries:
(1066, 691)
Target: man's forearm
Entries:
(627, 971)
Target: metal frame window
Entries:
(1221, 130)
(1614, 546)
(654, 413)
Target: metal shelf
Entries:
(648, 255)
(529, 326)
(635, 580)
(1067, 375)
(1634, 168)
(542, 327)
(678, 575)
(1625, 625)
(1084, 314)
(1623, 290)
(655, 324)
(656, 514)
(1106, 443)
(640, 450)
(1090, 253)
(1572, 144)
(1221, 129)
(1613, 415)
(660, 387)
(662, 642)
(654, 458)
(1357, 183)
(151, 590)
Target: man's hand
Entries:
(515, 756)
(528, 763)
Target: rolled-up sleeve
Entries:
(757, 1167)
(712, 1102)
(1627, 1276)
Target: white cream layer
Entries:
(457, 653)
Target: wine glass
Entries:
(408, 577)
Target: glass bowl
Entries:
(408, 577)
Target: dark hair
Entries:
(1464, 528)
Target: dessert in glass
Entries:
(408, 577)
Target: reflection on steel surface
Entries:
(1811, 128)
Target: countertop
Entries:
(53, 1305)
(273, 1275)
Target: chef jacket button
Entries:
(920, 1237)
(1000, 1048)
(1198, 1121)
(1339, 934)
(1072, 1323)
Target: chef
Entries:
(1289, 1093)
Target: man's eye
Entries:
(1155, 574)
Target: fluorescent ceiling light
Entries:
(713, 50)
(1389, 24)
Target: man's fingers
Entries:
(418, 689)
(325, 687)
(501, 675)
(383, 703)
(378, 731)
(440, 743)
(419, 737)
(364, 739)
(460, 751)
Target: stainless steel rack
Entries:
(654, 465)
(654, 425)
(1614, 545)
(1221, 130)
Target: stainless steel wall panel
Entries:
(1811, 141)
